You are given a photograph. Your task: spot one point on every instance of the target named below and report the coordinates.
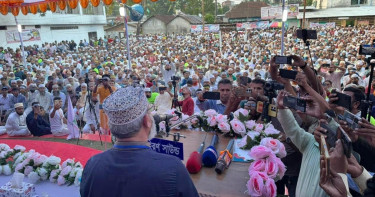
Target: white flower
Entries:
(40, 160)
(54, 174)
(210, 112)
(33, 177)
(3, 154)
(242, 142)
(67, 162)
(253, 134)
(53, 160)
(243, 111)
(78, 165)
(19, 148)
(28, 170)
(73, 172)
(250, 124)
(1, 170)
(270, 130)
(259, 127)
(66, 170)
(4, 147)
(15, 157)
(6, 169)
(61, 180)
(77, 180)
(43, 173)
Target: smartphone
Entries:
(306, 34)
(260, 106)
(324, 152)
(346, 142)
(243, 92)
(288, 74)
(244, 80)
(295, 103)
(331, 135)
(351, 119)
(283, 60)
(211, 95)
(343, 100)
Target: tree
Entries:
(161, 7)
(209, 18)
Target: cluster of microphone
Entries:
(210, 157)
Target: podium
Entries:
(232, 182)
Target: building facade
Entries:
(77, 24)
(156, 24)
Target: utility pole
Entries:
(215, 10)
(203, 17)
(304, 12)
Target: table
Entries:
(232, 182)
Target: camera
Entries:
(273, 85)
(367, 50)
(175, 78)
(305, 34)
(283, 60)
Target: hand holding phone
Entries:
(324, 152)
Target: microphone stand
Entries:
(366, 105)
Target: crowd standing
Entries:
(176, 70)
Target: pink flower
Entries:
(211, 120)
(282, 151)
(221, 118)
(258, 127)
(238, 127)
(66, 170)
(271, 143)
(250, 124)
(281, 167)
(243, 111)
(270, 130)
(271, 167)
(28, 169)
(260, 152)
(61, 180)
(210, 113)
(270, 188)
(255, 185)
(258, 165)
(224, 127)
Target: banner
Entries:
(323, 25)
(277, 12)
(252, 25)
(207, 28)
(365, 22)
(27, 35)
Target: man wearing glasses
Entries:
(35, 123)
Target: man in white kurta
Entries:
(90, 112)
(16, 123)
(163, 102)
(57, 119)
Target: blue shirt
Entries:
(19, 99)
(216, 105)
(135, 172)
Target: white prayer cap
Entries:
(125, 105)
(147, 90)
(41, 86)
(17, 105)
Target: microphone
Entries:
(194, 163)
(225, 158)
(209, 157)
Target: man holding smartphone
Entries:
(332, 75)
(57, 120)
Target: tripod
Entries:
(175, 100)
(91, 108)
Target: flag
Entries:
(72, 123)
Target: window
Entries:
(37, 26)
(358, 2)
(3, 27)
(64, 27)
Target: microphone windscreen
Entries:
(194, 164)
(209, 157)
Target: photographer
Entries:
(57, 120)
(225, 89)
(103, 90)
(91, 114)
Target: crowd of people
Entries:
(175, 71)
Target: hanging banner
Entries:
(277, 12)
(207, 28)
(323, 25)
(252, 25)
(27, 35)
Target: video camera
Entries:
(368, 50)
(175, 78)
(273, 85)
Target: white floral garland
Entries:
(38, 167)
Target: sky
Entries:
(236, 1)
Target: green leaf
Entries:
(242, 118)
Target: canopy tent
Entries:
(32, 6)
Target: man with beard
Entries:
(57, 93)
(103, 91)
(16, 122)
(44, 97)
(91, 116)
(168, 71)
(57, 120)
(332, 75)
(35, 122)
(72, 94)
(151, 96)
(132, 125)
